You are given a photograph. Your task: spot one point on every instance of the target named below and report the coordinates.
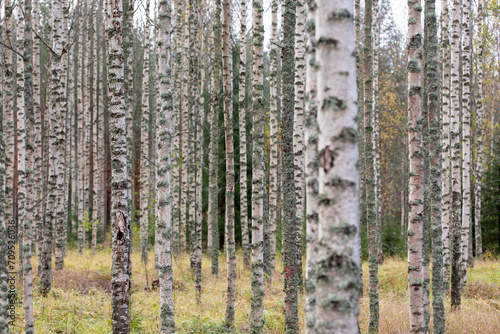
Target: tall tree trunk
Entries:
(376, 131)
(198, 148)
(163, 179)
(61, 213)
(466, 138)
(214, 141)
(445, 141)
(144, 209)
(479, 134)
(338, 259)
(228, 120)
(121, 240)
(289, 228)
(29, 323)
(37, 133)
(245, 237)
(274, 143)
(369, 181)
(431, 73)
(298, 126)
(20, 135)
(81, 134)
(456, 194)
(8, 90)
(311, 159)
(257, 109)
(55, 183)
(416, 185)
(184, 132)
(360, 85)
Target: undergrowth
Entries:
(80, 300)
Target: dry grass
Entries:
(80, 300)
(480, 312)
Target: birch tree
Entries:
(54, 187)
(228, 122)
(465, 138)
(311, 164)
(20, 132)
(257, 109)
(445, 140)
(121, 237)
(273, 138)
(338, 259)
(456, 193)
(369, 156)
(479, 133)
(144, 220)
(163, 179)
(298, 126)
(289, 225)
(214, 140)
(245, 236)
(27, 227)
(431, 74)
(416, 191)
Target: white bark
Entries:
(479, 133)
(338, 259)
(298, 120)
(145, 164)
(311, 160)
(416, 181)
(445, 140)
(163, 176)
(466, 137)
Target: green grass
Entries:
(80, 300)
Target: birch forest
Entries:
(249, 166)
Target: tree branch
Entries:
(12, 49)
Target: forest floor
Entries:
(80, 301)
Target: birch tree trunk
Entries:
(121, 240)
(273, 137)
(20, 133)
(228, 120)
(479, 134)
(144, 220)
(61, 213)
(37, 133)
(445, 141)
(214, 142)
(456, 194)
(258, 183)
(360, 85)
(54, 187)
(163, 179)
(289, 227)
(416, 185)
(311, 164)
(9, 119)
(338, 259)
(243, 137)
(298, 126)
(369, 157)
(466, 138)
(28, 121)
(198, 148)
(431, 73)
